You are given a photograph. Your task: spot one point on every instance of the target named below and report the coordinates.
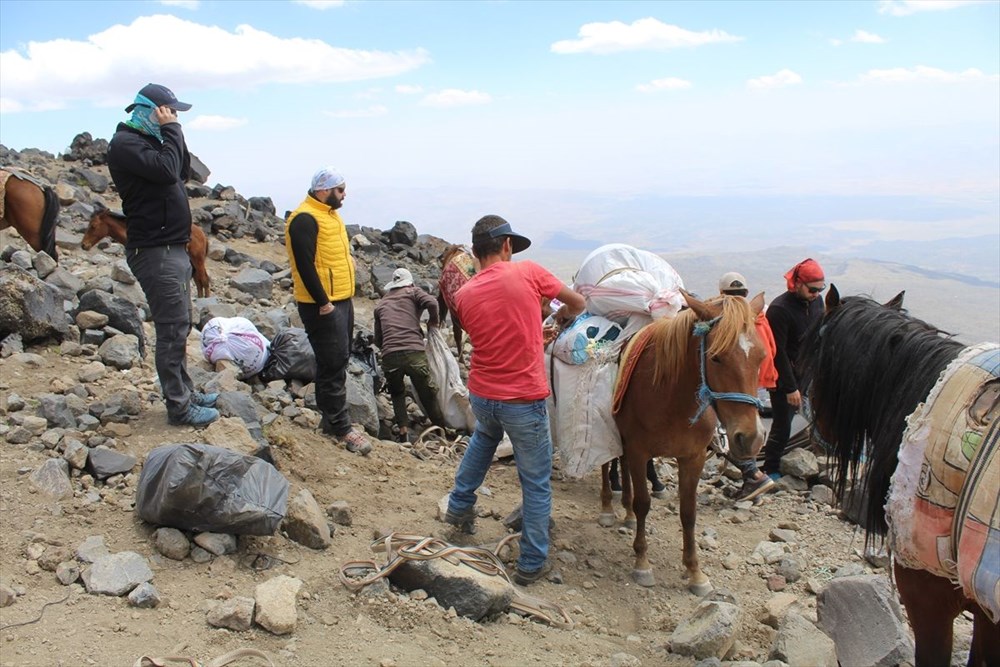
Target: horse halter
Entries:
(707, 397)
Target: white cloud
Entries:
(207, 122)
(183, 4)
(865, 37)
(907, 7)
(373, 111)
(922, 73)
(320, 4)
(835, 41)
(785, 77)
(643, 34)
(405, 89)
(669, 83)
(452, 97)
(111, 65)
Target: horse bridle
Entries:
(707, 397)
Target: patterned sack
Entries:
(235, 339)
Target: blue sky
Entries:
(438, 112)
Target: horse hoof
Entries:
(606, 520)
(629, 523)
(644, 578)
(701, 589)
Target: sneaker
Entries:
(464, 521)
(522, 578)
(355, 443)
(196, 415)
(754, 487)
(204, 400)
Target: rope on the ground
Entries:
(37, 618)
(221, 661)
(400, 548)
(427, 446)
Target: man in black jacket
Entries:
(790, 316)
(149, 163)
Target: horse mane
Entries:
(449, 252)
(670, 336)
(867, 367)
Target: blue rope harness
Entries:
(707, 397)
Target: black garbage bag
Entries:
(291, 357)
(363, 351)
(205, 488)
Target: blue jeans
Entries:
(527, 425)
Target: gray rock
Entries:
(91, 549)
(403, 232)
(89, 319)
(800, 463)
(68, 572)
(103, 462)
(144, 596)
(255, 282)
(709, 631)
(235, 614)
(276, 604)
(339, 512)
(7, 595)
(799, 643)
(65, 283)
(172, 543)
(866, 623)
(56, 410)
(624, 660)
(116, 574)
(790, 569)
(122, 351)
(52, 479)
(472, 593)
(822, 494)
(304, 523)
(122, 313)
(217, 544)
(29, 306)
(75, 453)
(43, 264)
(121, 273)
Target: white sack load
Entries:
(235, 339)
(453, 395)
(618, 280)
(585, 337)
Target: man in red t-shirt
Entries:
(500, 310)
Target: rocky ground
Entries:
(768, 561)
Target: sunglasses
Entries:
(815, 290)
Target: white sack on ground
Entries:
(235, 339)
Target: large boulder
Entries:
(29, 306)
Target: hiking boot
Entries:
(522, 578)
(754, 487)
(355, 443)
(464, 521)
(204, 400)
(196, 415)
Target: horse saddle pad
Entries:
(626, 365)
(944, 500)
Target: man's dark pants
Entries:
(330, 337)
(412, 363)
(781, 429)
(164, 272)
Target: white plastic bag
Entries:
(235, 339)
(619, 280)
(453, 395)
(585, 337)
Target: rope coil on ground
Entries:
(426, 447)
(400, 548)
(221, 661)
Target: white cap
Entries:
(400, 278)
(326, 178)
(732, 281)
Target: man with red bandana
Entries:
(790, 316)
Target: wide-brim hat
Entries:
(400, 278)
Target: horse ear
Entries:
(832, 298)
(757, 303)
(896, 302)
(699, 307)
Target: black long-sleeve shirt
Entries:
(790, 317)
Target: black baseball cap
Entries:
(160, 96)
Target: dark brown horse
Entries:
(912, 417)
(104, 222)
(32, 209)
(457, 266)
(688, 373)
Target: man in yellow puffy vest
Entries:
(323, 280)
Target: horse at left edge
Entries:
(30, 207)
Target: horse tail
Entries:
(47, 233)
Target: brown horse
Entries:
(687, 373)
(104, 222)
(31, 208)
(913, 419)
(457, 266)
